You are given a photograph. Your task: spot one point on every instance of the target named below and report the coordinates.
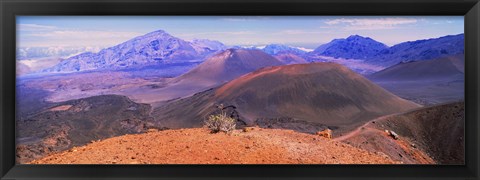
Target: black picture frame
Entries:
(470, 9)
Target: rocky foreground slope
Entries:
(199, 146)
(428, 135)
(61, 126)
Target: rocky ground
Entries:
(430, 135)
(63, 125)
(200, 146)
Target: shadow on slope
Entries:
(78, 122)
(437, 131)
(425, 82)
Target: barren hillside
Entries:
(321, 94)
(199, 146)
(428, 135)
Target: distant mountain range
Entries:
(426, 49)
(152, 48)
(376, 53)
(369, 53)
(276, 49)
(159, 47)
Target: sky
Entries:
(300, 31)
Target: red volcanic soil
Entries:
(229, 65)
(325, 93)
(199, 146)
(290, 59)
(214, 71)
(427, 135)
(377, 140)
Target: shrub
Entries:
(220, 122)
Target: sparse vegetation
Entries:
(220, 122)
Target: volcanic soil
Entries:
(200, 146)
(430, 135)
(320, 94)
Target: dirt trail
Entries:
(358, 130)
(372, 137)
(199, 146)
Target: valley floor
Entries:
(199, 146)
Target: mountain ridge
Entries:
(152, 48)
(276, 49)
(352, 47)
(419, 50)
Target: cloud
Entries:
(370, 23)
(298, 31)
(305, 49)
(38, 64)
(236, 33)
(73, 34)
(219, 33)
(34, 27)
(65, 38)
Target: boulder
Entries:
(327, 133)
(392, 134)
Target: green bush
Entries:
(220, 122)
